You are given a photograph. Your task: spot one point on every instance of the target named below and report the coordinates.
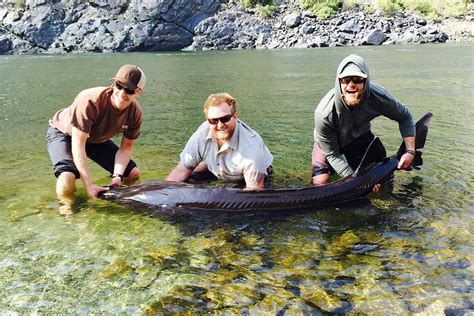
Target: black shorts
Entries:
(354, 152)
(59, 148)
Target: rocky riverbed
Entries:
(46, 26)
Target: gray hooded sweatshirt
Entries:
(337, 126)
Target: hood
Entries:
(359, 61)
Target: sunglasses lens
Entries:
(224, 119)
(355, 79)
(121, 87)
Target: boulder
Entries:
(5, 45)
(292, 20)
(442, 37)
(374, 37)
(407, 38)
(350, 26)
(262, 38)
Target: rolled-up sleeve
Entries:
(190, 157)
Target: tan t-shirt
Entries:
(93, 113)
(244, 156)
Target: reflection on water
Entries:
(404, 250)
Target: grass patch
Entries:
(422, 7)
(266, 11)
(19, 4)
(254, 3)
(349, 4)
(430, 9)
(389, 7)
(457, 8)
(323, 9)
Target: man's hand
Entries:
(376, 188)
(407, 158)
(94, 190)
(116, 182)
(405, 161)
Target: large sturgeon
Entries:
(162, 196)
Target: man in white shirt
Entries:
(225, 146)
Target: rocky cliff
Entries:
(42, 26)
(63, 26)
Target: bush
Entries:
(351, 3)
(456, 9)
(323, 9)
(371, 9)
(19, 4)
(266, 11)
(254, 3)
(389, 7)
(423, 7)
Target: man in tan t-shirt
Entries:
(224, 146)
(83, 130)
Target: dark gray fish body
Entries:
(163, 196)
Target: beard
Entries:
(223, 135)
(353, 99)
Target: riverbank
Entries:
(42, 26)
(237, 27)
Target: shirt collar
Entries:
(234, 140)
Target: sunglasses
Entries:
(120, 86)
(354, 79)
(223, 119)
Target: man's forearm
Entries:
(80, 160)
(340, 165)
(179, 173)
(409, 142)
(122, 157)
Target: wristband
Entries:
(117, 175)
(409, 151)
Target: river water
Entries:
(409, 250)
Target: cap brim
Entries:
(352, 73)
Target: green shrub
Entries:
(323, 9)
(370, 9)
(457, 9)
(351, 3)
(254, 3)
(266, 11)
(422, 7)
(389, 7)
(19, 4)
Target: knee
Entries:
(134, 174)
(66, 184)
(320, 173)
(321, 179)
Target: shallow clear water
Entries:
(406, 251)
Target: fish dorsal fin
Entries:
(356, 172)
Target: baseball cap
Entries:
(352, 69)
(131, 76)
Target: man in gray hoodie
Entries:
(342, 123)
